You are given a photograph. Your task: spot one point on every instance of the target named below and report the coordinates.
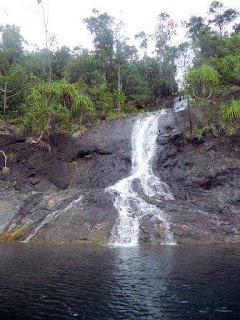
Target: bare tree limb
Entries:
(5, 158)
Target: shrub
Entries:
(201, 81)
(51, 105)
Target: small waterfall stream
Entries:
(53, 215)
(129, 204)
(131, 194)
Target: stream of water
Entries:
(53, 216)
(127, 201)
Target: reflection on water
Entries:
(143, 276)
(72, 281)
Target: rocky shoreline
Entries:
(204, 178)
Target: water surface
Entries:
(79, 282)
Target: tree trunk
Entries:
(49, 68)
(44, 130)
(203, 90)
(119, 88)
(4, 98)
(104, 70)
(49, 62)
(160, 69)
(5, 158)
(81, 116)
(189, 115)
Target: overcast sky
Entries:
(65, 17)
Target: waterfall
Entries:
(129, 204)
(181, 104)
(51, 216)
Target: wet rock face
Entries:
(206, 172)
(70, 216)
(46, 178)
(192, 222)
(90, 222)
(96, 160)
(203, 177)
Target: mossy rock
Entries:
(5, 171)
(14, 235)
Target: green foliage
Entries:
(221, 17)
(11, 47)
(84, 66)
(214, 44)
(60, 60)
(199, 134)
(142, 37)
(87, 85)
(10, 156)
(114, 116)
(165, 29)
(100, 25)
(5, 171)
(14, 87)
(202, 80)
(41, 117)
(36, 63)
(52, 105)
(113, 79)
(223, 120)
(216, 47)
(231, 113)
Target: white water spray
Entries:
(130, 206)
(51, 216)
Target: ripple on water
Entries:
(72, 281)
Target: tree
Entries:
(233, 62)
(61, 58)
(135, 86)
(114, 77)
(36, 63)
(185, 62)
(123, 54)
(13, 86)
(83, 66)
(51, 105)
(11, 48)
(196, 27)
(165, 53)
(209, 34)
(184, 56)
(165, 29)
(101, 26)
(49, 39)
(221, 17)
(143, 39)
(202, 80)
(83, 105)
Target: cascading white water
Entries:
(181, 103)
(130, 206)
(51, 216)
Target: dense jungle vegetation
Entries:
(50, 89)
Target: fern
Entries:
(232, 112)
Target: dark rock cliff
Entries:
(204, 179)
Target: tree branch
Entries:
(5, 158)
